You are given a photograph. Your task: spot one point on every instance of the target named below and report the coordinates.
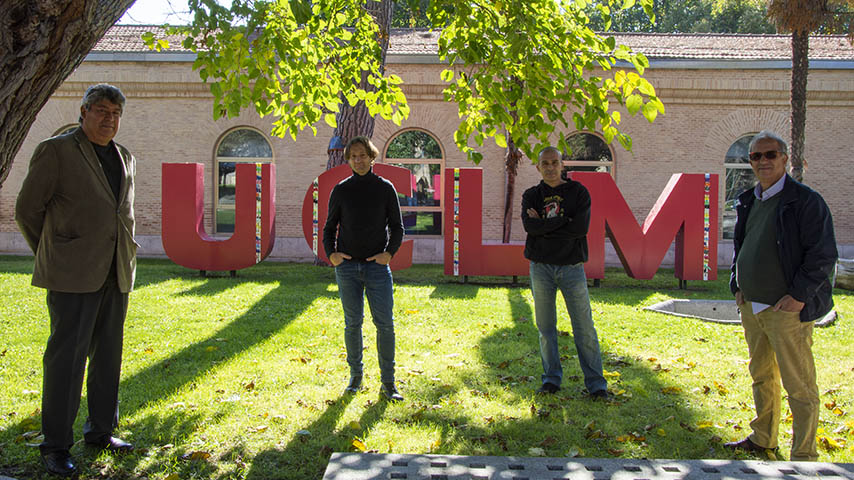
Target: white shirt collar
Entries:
(773, 190)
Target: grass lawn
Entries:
(233, 378)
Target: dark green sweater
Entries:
(758, 269)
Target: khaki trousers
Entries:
(780, 347)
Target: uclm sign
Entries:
(686, 211)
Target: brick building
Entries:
(717, 89)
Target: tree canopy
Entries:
(299, 60)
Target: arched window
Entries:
(421, 154)
(589, 154)
(739, 177)
(241, 145)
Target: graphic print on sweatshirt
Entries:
(551, 206)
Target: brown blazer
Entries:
(71, 220)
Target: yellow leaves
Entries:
(631, 437)
(359, 445)
(434, 446)
(661, 433)
(258, 429)
(671, 390)
(196, 456)
(354, 425)
(834, 408)
(172, 476)
(828, 443)
(211, 348)
(148, 351)
(608, 374)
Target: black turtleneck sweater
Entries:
(364, 218)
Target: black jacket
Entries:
(806, 245)
(364, 218)
(559, 236)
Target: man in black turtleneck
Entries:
(363, 231)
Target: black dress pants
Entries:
(82, 325)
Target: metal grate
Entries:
(370, 466)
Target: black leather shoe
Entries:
(746, 445)
(112, 444)
(389, 391)
(355, 383)
(548, 388)
(603, 395)
(59, 463)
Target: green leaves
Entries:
(293, 59)
(518, 71)
(528, 72)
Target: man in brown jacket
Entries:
(75, 210)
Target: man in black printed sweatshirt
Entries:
(363, 231)
(556, 216)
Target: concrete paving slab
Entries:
(370, 466)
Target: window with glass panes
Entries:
(589, 154)
(420, 153)
(739, 177)
(242, 145)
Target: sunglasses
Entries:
(756, 156)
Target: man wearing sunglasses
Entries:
(784, 258)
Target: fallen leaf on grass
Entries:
(616, 452)
(249, 386)
(536, 452)
(27, 436)
(358, 445)
(195, 456)
(548, 442)
(172, 476)
(211, 348)
(258, 429)
(611, 374)
(574, 452)
(671, 390)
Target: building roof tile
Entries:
(693, 46)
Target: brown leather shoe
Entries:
(746, 445)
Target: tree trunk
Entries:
(41, 43)
(800, 68)
(511, 166)
(355, 121)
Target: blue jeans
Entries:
(356, 280)
(546, 279)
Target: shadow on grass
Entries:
(645, 420)
(268, 316)
(306, 456)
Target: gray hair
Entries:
(549, 149)
(768, 134)
(99, 92)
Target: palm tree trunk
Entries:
(800, 68)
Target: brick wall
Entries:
(168, 118)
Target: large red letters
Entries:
(686, 211)
(682, 212)
(183, 231)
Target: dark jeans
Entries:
(82, 325)
(355, 281)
